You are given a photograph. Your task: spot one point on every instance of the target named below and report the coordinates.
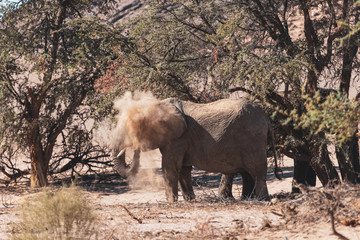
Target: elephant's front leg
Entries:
(171, 178)
(172, 159)
(186, 183)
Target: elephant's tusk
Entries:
(121, 152)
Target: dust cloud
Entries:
(143, 122)
(149, 177)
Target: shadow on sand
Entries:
(212, 180)
(112, 183)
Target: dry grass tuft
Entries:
(63, 214)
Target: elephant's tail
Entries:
(276, 168)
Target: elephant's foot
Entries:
(225, 188)
(303, 174)
(227, 195)
(171, 191)
(254, 197)
(186, 183)
(261, 191)
(188, 196)
(171, 178)
(170, 197)
(266, 198)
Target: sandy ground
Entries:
(139, 210)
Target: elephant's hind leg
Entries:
(261, 191)
(186, 183)
(258, 171)
(225, 187)
(248, 190)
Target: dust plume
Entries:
(149, 177)
(146, 123)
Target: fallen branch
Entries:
(277, 214)
(130, 214)
(332, 220)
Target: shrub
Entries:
(63, 214)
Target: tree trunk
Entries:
(39, 161)
(312, 162)
(348, 159)
(39, 170)
(350, 49)
(323, 166)
(303, 174)
(311, 85)
(356, 151)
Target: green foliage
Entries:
(64, 214)
(199, 50)
(180, 47)
(203, 50)
(335, 115)
(172, 51)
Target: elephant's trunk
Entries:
(124, 170)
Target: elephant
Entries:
(227, 136)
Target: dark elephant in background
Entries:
(227, 136)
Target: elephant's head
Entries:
(144, 125)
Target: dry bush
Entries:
(63, 214)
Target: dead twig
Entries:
(331, 212)
(277, 214)
(131, 215)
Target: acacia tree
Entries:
(324, 59)
(51, 53)
(203, 50)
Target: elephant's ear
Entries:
(155, 125)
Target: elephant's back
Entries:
(225, 113)
(220, 105)
(228, 119)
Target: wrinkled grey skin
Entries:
(228, 136)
